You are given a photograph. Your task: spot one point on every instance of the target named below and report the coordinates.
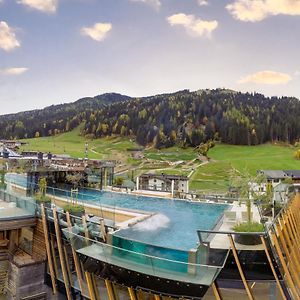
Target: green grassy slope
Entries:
(73, 144)
(213, 176)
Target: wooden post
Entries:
(290, 237)
(284, 266)
(48, 250)
(96, 291)
(291, 262)
(53, 255)
(68, 265)
(272, 268)
(237, 261)
(61, 255)
(157, 297)
(216, 291)
(110, 291)
(75, 257)
(132, 294)
(90, 285)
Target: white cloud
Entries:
(203, 2)
(156, 4)
(267, 77)
(98, 32)
(8, 40)
(13, 71)
(195, 27)
(257, 10)
(48, 6)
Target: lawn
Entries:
(213, 176)
(224, 158)
(73, 144)
(171, 154)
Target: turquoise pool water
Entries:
(174, 225)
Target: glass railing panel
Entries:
(14, 206)
(140, 262)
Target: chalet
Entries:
(163, 183)
(280, 181)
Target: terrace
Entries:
(184, 244)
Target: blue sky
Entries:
(56, 51)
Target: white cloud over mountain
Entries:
(13, 71)
(267, 77)
(8, 39)
(48, 6)
(257, 10)
(156, 4)
(98, 32)
(202, 2)
(195, 27)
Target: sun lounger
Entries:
(245, 217)
(230, 216)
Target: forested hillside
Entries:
(54, 119)
(185, 118)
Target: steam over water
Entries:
(153, 223)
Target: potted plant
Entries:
(74, 209)
(248, 239)
(40, 196)
(246, 187)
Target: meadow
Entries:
(213, 176)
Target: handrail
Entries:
(67, 232)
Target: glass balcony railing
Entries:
(16, 207)
(158, 266)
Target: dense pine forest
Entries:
(185, 118)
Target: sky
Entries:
(57, 51)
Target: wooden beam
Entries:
(68, 265)
(284, 266)
(96, 291)
(61, 255)
(272, 268)
(48, 249)
(216, 291)
(132, 294)
(90, 285)
(54, 255)
(75, 257)
(292, 261)
(237, 261)
(110, 290)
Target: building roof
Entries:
(11, 153)
(281, 174)
(164, 177)
(273, 174)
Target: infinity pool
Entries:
(173, 226)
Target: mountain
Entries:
(185, 117)
(54, 119)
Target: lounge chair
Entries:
(230, 216)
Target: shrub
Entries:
(249, 227)
(40, 198)
(74, 209)
(297, 154)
